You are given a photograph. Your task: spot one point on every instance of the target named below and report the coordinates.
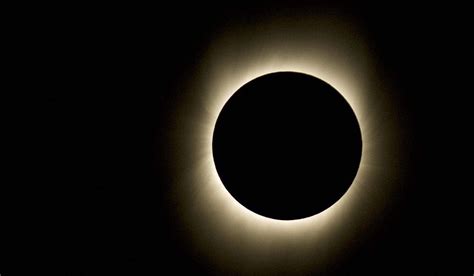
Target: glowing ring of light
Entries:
(327, 49)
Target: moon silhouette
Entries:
(287, 145)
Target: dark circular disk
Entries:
(287, 145)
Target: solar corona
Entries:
(332, 50)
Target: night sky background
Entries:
(87, 182)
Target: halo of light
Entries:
(223, 231)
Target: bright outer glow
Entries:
(220, 230)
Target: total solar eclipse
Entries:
(287, 145)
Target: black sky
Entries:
(88, 192)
